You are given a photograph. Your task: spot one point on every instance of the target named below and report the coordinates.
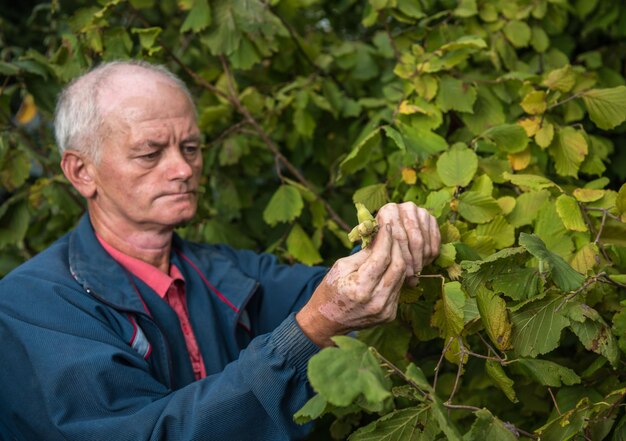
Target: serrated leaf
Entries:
(447, 255)
(373, 196)
(530, 124)
(488, 112)
(489, 428)
(534, 182)
(147, 38)
(409, 424)
(595, 334)
(534, 103)
(570, 214)
(569, 151)
(466, 8)
(421, 141)
(537, 327)
(457, 166)
(301, 247)
(14, 219)
(501, 379)
(456, 95)
(448, 315)
(390, 339)
(606, 107)
(312, 409)
(564, 276)
(360, 153)
(342, 374)
(562, 79)
(518, 33)
(521, 160)
(548, 372)
(285, 205)
(510, 138)
(518, 283)
(481, 271)
(477, 207)
(500, 230)
(527, 206)
(494, 316)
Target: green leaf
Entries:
(391, 340)
(300, 246)
(489, 428)
(569, 151)
(488, 112)
(360, 153)
(537, 327)
(13, 222)
(14, 169)
(620, 202)
(594, 333)
(606, 107)
(414, 423)
(147, 38)
(421, 141)
(373, 196)
(548, 373)
(570, 214)
(199, 17)
(494, 316)
(342, 374)
(222, 37)
(539, 40)
(448, 315)
(518, 283)
(466, 8)
(500, 378)
(285, 206)
(477, 207)
(565, 277)
(518, 33)
(545, 135)
(510, 138)
(447, 255)
(533, 182)
(313, 409)
(502, 233)
(481, 271)
(457, 166)
(527, 206)
(456, 95)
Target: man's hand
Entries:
(362, 290)
(417, 234)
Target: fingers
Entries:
(403, 224)
(385, 296)
(372, 270)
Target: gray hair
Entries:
(78, 120)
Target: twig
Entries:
(588, 282)
(556, 405)
(458, 371)
(576, 95)
(399, 372)
(443, 353)
(486, 343)
(461, 406)
(604, 213)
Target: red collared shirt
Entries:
(171, 288)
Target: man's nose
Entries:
(178, 167)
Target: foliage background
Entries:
(503, 118)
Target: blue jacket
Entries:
(92, 353)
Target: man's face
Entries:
(150, 162)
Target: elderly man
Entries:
(123, 331)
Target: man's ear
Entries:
(80, 171)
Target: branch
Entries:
(576, 95)
(443, 353)
(399, 372)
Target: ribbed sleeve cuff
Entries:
(291, 342)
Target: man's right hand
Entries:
(359, 291)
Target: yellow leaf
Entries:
(588, 194)
(535, 102)
(409, 175)
(507, 204)
(544, 135)
(27, 111)
(407, 108)
(586, 258)
(531, 125)
(521, 160)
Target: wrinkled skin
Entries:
(362, 290)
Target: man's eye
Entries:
(190, 150)
(151, 156)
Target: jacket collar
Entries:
(98, 273)
(104, 278)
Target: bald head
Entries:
(84, 106)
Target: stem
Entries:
(443, 353)
(399, 372)
(556, 406)
(576, 95)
